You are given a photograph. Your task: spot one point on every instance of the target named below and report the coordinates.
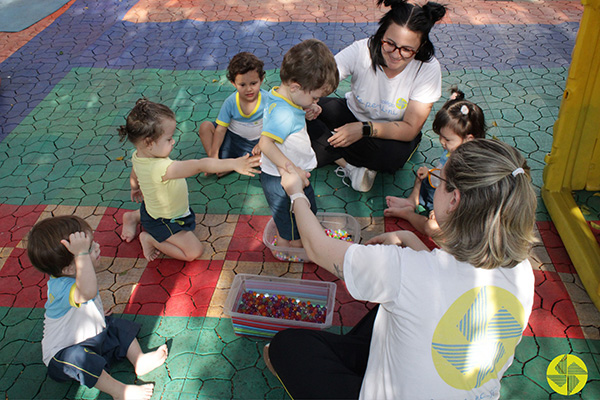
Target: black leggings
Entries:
(376, 154)
(323, 365)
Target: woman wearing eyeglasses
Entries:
(395, 81)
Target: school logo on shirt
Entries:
(401, 103)
(476, 336)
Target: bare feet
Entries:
(131, 220)
(150, 361)
(268, 360)
(135, 392)
(150, 251)
(398, 202)
(400, 212)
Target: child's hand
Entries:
(136, 195)
(422, 173)
(79, 243)
(256, 150)
(293, 179)
(244, 165)
(312, 112)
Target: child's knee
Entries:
(195, 252)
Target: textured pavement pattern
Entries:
(68, 81)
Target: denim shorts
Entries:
(85, 361)
(235, 146)
(279, 202)
(426, 195)
(161, 228)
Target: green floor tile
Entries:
(249, 384)
(521, 387)
(243, 353)
(211, 366)
(215, 389)
(209, 342)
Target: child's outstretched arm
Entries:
(183, 169)
(86, 285)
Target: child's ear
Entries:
(468, 138)
(295, 86)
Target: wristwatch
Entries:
(367, 129)
(296, 196)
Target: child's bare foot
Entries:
(150, 251)
(398, 202)
(135, 392)
(131, 219)
(400, 212)
(150, 361)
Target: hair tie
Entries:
(518, 171)
(464, 110)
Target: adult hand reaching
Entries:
(293, 179)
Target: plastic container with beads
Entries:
(335, 223)
(303, 296)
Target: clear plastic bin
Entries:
(329, 220)
(317, 292)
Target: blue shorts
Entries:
(161, 228)
(279, 202)
(85, 361)
(426, 195)
(235, 146)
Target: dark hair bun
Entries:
(434, 11)
(391, 3)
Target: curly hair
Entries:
(144, 121)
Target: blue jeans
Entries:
(235, 146)
(279, 202)
(426, 195)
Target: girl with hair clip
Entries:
(447, 321)
(458, 121)
(395, 81)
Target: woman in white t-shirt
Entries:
(395, 81)
(447, 321)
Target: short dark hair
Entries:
(144, 121)
(243, 63)
(461, 116)
(418, 19)
(311, 65)
(44, 247)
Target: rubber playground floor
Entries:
(69, 80)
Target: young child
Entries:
(458, 121)
(308, 72)
(239, 124)
(447, 321)
(159, 184)
(79, 342)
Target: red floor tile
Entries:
(175, 288)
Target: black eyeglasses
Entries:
(434, 177)
(390, 47)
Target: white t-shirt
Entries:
(445, 329)
(374, 96)
(65, 322)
